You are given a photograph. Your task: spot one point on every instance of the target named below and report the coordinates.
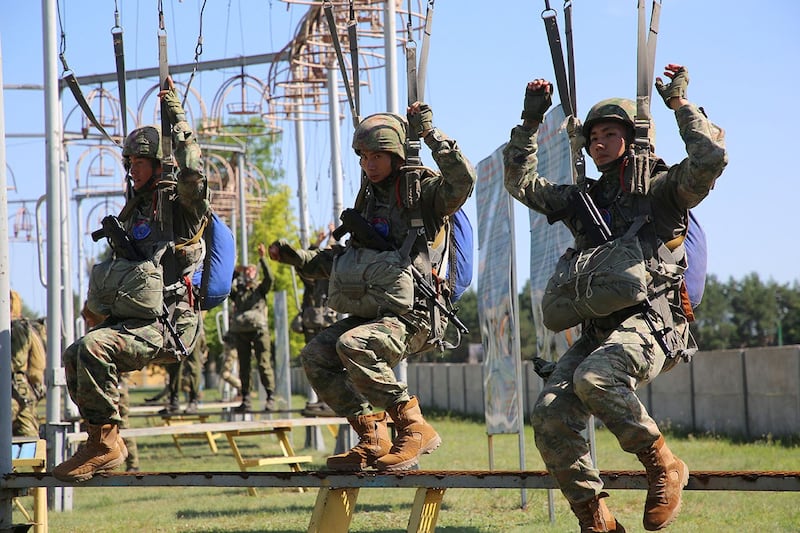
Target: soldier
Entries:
(350, 363)
(315, 315)
(28, 359)
(185, 376)
(616, 354)
(161, 220)
(249, 329)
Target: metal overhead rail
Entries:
(216, 64)
(769, 481)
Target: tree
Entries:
(713, 328)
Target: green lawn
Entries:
(463, 510)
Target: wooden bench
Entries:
(31, 452)
(232, 431)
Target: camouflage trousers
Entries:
(596, 376)
(24, 420)
(230, 365)
(349, 364)
(186, 375)
(94, 362)
(124, 410)
(249, 344)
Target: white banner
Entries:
(548, 242)
(496, 298)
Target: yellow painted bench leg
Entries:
(288, 451)
(425, 511)
(239, 460)
(333, 510)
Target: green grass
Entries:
(463, 510)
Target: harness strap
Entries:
(75, 88)
(422, 71)
(119, 54)
(565, 81)
(352, 36)
(163, 74)
(328, 8)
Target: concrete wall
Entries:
(748, 393)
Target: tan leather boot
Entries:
(595, 516)
(374, 442)
(666, 477)
(100, 453)
(414, 437)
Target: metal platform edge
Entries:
(781, 481)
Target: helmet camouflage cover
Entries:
(614, 109)
(381, 132)
(143, 142)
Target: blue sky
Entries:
(741, 61)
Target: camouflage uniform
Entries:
(598, 375)
(27, 383)
(349, 364)
(132, 460)
(315, 314)
(185, 376)
(249, 332)
(123, 344)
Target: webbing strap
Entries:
(557, 54)
(352, 36)
(565, 81)
(166, 128)
(422, 70)
(328, 8)
(570, 55)
(645, 59)
(119, 55)
(75, 89)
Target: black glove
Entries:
(675, 88)
(537, 102)
(422, 121)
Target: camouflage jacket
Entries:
(442, 194)
(672, 190)
(172, 211)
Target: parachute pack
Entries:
(460, 268)
(215, 274)
(697, 260)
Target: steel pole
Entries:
(5, 322)
(390, 50)
(336, 142)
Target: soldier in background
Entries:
(249, 329)
(599, 374)
(28, 361)
(315, 315)
(185, 377)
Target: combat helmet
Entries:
(621, 110)
(381, 132)
(143, 142)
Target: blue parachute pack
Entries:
(696, 259)
(459, 272)
(215, 275)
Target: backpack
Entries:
(460, 267)
(215, 274)
(696, 259)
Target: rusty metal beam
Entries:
(474, 479)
